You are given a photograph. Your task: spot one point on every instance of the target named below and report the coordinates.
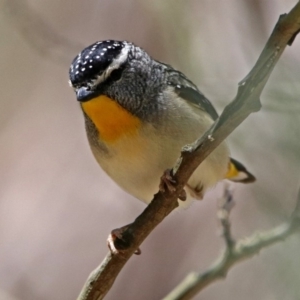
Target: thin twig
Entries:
(226, 204)
(233, 254)
(246, 102)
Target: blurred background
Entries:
(57, 206)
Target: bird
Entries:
(139, 113)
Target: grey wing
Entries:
(198, 99)
(188, 91)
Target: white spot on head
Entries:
(90, 67)
(77, 72)
(91, 60)
(87, 57)
(104, 49)
(77, 66)
(178, 86)
(115, 64)
(83, 69)
(97, 56)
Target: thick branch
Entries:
(246, 102)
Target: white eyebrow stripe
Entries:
(116, 63)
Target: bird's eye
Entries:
(116, 74)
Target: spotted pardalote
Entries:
(139, 113)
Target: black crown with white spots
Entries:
(93, 61)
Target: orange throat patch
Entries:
(111, 119)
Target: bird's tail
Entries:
(238, 173)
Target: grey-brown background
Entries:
(56, 205)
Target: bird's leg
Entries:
(167, 182)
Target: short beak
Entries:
(84, 94)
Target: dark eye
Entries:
(116, 74)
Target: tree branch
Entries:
(246, 102)
(234, 252)
(225, 206)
